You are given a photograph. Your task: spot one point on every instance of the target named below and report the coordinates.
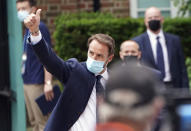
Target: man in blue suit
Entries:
(76, 107)
(162, 50)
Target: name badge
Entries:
(24, 58)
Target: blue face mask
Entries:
(94, 66)
(22, 15)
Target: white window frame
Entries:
(134, 9)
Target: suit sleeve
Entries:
(184, 75)
(45, 33)
(55, 65)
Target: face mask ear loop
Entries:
(106, 62)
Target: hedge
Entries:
(182, 28)
(73, 30)
(71, 34)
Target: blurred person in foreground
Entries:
(35, 78)
(162, 51)
(130, 53)
(132, 100)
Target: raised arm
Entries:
(48, 58)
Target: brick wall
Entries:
(53, 8)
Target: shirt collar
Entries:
(105, 75)
(153, 36)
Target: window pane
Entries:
(164, 13)
(141, 14)
(157, 3)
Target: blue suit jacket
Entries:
(175, 55)
(78, 83)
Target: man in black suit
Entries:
(76, 107)
(162, 50)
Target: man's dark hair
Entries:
(31, 2)
(104, 39)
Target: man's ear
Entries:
(162, 19)
(120, 55)
(110, 58)
(145, 21)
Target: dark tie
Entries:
(99, 87)
(99, 94)
(160, 58)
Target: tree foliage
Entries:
(184, 6)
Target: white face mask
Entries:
(22, 15)
(94, 66)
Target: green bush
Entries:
(71, 35)
(182, 28)
(188, 64)
(73, 30)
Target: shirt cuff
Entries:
(35, 39)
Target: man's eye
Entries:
(99, 56)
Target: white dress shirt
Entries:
(87, 120)
(36, 39)
(153, 41)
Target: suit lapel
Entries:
(73, 100)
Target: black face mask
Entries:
(130, 59)
(154, 25)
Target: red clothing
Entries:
(113, 126)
